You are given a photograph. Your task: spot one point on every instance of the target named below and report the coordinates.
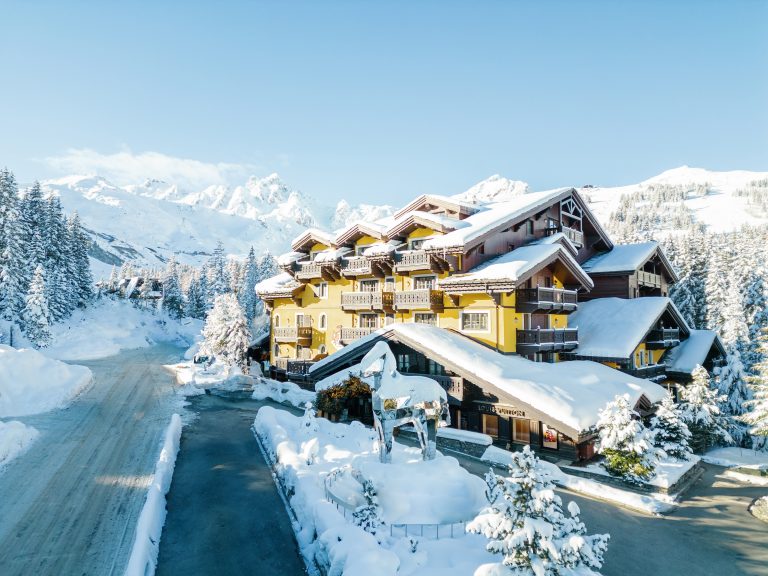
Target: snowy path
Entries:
(70, 504)
(224, 513)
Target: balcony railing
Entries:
(546, 340)
(412, 260)
(351, 334)
(649, 371)
(453, 385)
(662, 338)
(356, 266)
(308, 270)
(298, 367)
(648, 279)
(425, 299)
(367, 300)
(292, 333)
(573, 235)
(545, 299)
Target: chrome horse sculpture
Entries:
(399, 399)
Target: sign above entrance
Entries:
(500, 409)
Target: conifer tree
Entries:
(226, 334)
(12, 264)
(626, 444)
(172, 299)
(368, 516)
(670, 433)
(247, 293)
(700, 410)
(757, 415)
(216, 273)
(80, 266)
(195, 299)
(36, 317)
(525, 523)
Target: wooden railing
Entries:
(649, 371)
(546, 339)
(367, 300)
(298, 367)
(662, 337)
(351, 334)
(540, 298)
(308, 270)
(573, 235)
(411, 260)
(425, 299)
(292, 333)
(355, 265)
(453, 385)
(281, 363)
(648, 279)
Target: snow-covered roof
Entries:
(313, 235)
(331, 254)
(439, 222)
(518, 265)
(290, 257)
(691, 352)
(570, 393)
(358, 229)
(613, 327)
(623, 258)
(382, 248)
(558, 238)
(282, 283)
(454, 204)
(491, 217)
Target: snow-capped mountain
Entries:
(493, 189)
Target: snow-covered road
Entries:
(70, 504)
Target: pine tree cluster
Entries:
(44, 268)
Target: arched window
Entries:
(277, 350)
(277, 320)
(322, 349)
(323, 322)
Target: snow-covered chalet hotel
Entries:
(523, 310)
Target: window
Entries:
(425, 318)
(434, 368)
(360, 249)
(323, 321)
(529, 227)
(548, 281)
(322, 290)
(548, 437)
(648, 357)
(521, 432)
(475, 321)
(277, 320)
(491, 425)
(389, 284)
(416, 244)
(369, 285)
(404, 362)
(277, 350)
(369, 321)
(303, 320)
(424, 282)
(322, 349)
(481, 249)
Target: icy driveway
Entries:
(70, 504)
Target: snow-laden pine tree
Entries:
(80, 266)
(195, 299)
(368, 516)
(757, 415)
(216, 274)
(36, 318)
(670, 432)
(700, 410)
(247, 292)
(113, 279)
(716, 283)
(226, 334)
(173, 303)
(525, 523)
(626, 444)
(12, 277)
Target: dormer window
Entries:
(416, 244)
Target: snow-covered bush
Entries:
(626, 444)
(700, 410)
(226, 334)
(525, 523)
(670, 433)
(309, 420)
(368, 516)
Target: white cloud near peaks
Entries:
(126, 167)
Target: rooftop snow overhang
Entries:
(310, 237)
(429, 202)
(414, 220)
(623, 270)
(358, 230)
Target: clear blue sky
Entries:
(378, 101)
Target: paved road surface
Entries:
(710, 534)
(224, 513)
(69, 505)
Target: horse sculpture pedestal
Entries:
(399, 400)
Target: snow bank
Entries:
(465, 436)
(15, 439)
(649, 504)
(146, 544)
(110, 326)
(668, 471)
(282, 392)
(741, 457)
(409, 490)
(31, 383)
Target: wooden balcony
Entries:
(380, 300)
(356, 266)
(573, 235)
(662, 338)
(453, 385)
(412, 260)
(298, 367)
(425, 299)
(555, 300)
(351, 334)
(547, 340)
(650, 372)
(648, 279)
(293, 334)
(308, 270)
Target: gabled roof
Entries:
(612, 328)
(282, 285)
(426, 201)
(570, 394)
(692, 352)
(312, 236)
(419, 219)
(626, 258)
(358, 230)
(505, 273)
(499, 216)
(558, 238)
